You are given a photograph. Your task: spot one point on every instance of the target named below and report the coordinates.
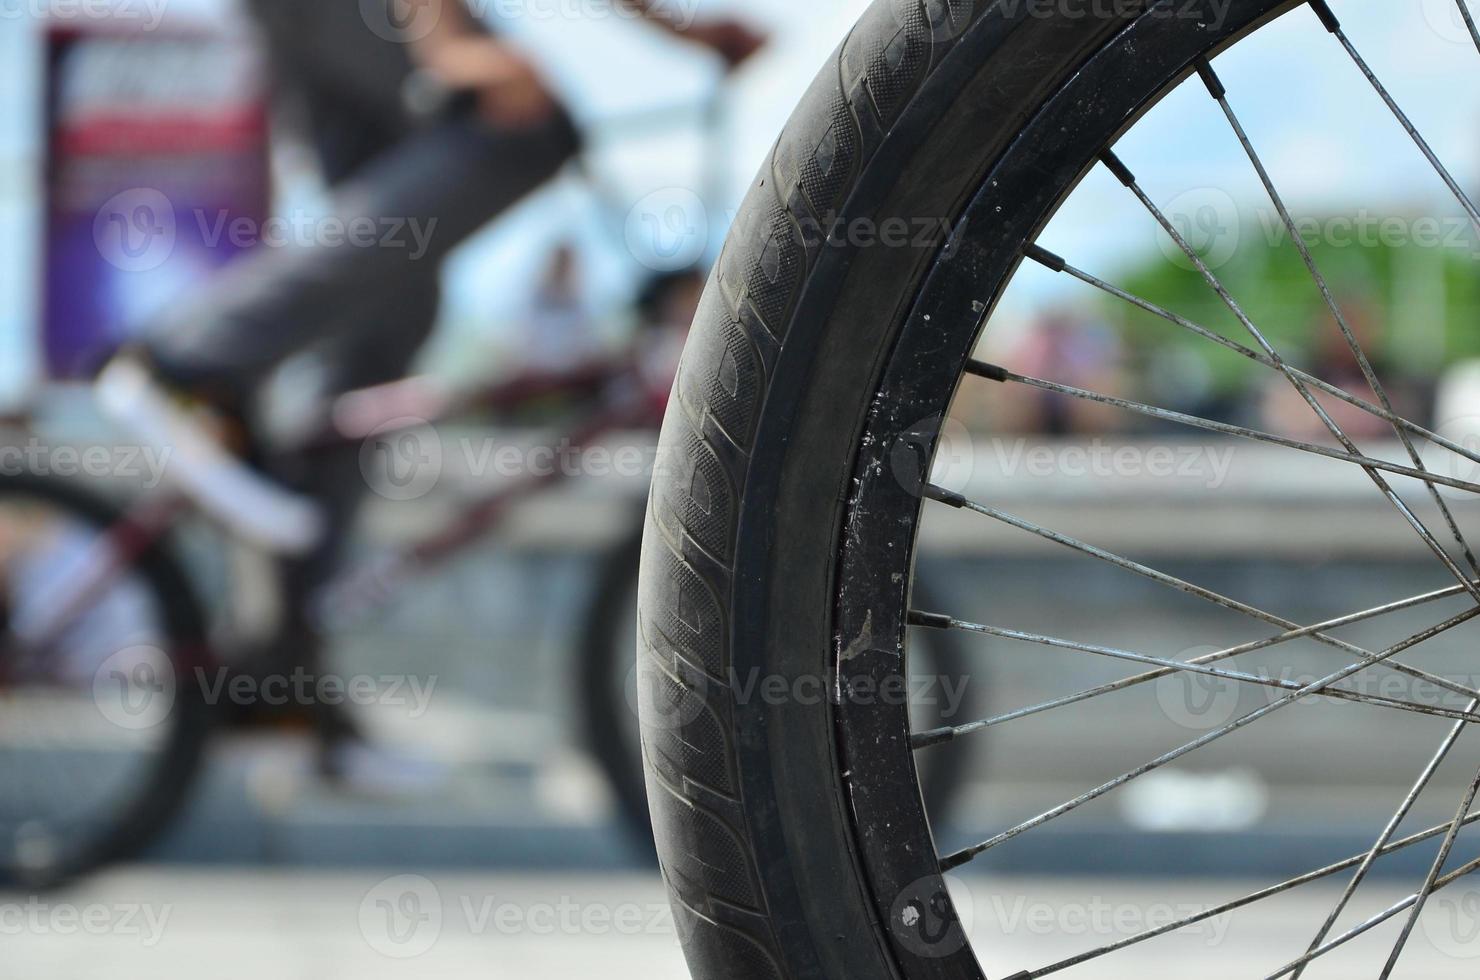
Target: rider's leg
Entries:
(401, 214)
(335, 479)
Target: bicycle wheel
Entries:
(102, 724)
(782, 529)
(610, 698)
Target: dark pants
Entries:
(366, 301)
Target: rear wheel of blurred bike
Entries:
(797, 471)
(940, 693)
(101, 725)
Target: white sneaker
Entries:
(225, 488)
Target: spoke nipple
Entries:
(935, 621)
(923, 740)
(1025, 975)
(1044, 257)
(991, 372)
(945, 496)
(1328, 18)
(1120, 170)
(1211, 80)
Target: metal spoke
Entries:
(1464, 13)
(1378, 847)
(1124, 175)
(1057, 264)
(1315, 687)
(938, 621)
(1182, 585)
(1334, 26)
(995, 372)
(1435, 871)
(1211, 913)
(937, 736)
(1375, 921)
(1220, 95)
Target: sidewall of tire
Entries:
(763, 870)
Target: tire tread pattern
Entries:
(688, 732)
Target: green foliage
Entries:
(1422, 300)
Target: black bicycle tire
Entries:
(165, 789)
(754, 837)
(607, 655)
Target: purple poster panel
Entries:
(155, 141)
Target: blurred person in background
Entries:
(1285, 412)
(366, 80)
(559, 328)
(1078, 349)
